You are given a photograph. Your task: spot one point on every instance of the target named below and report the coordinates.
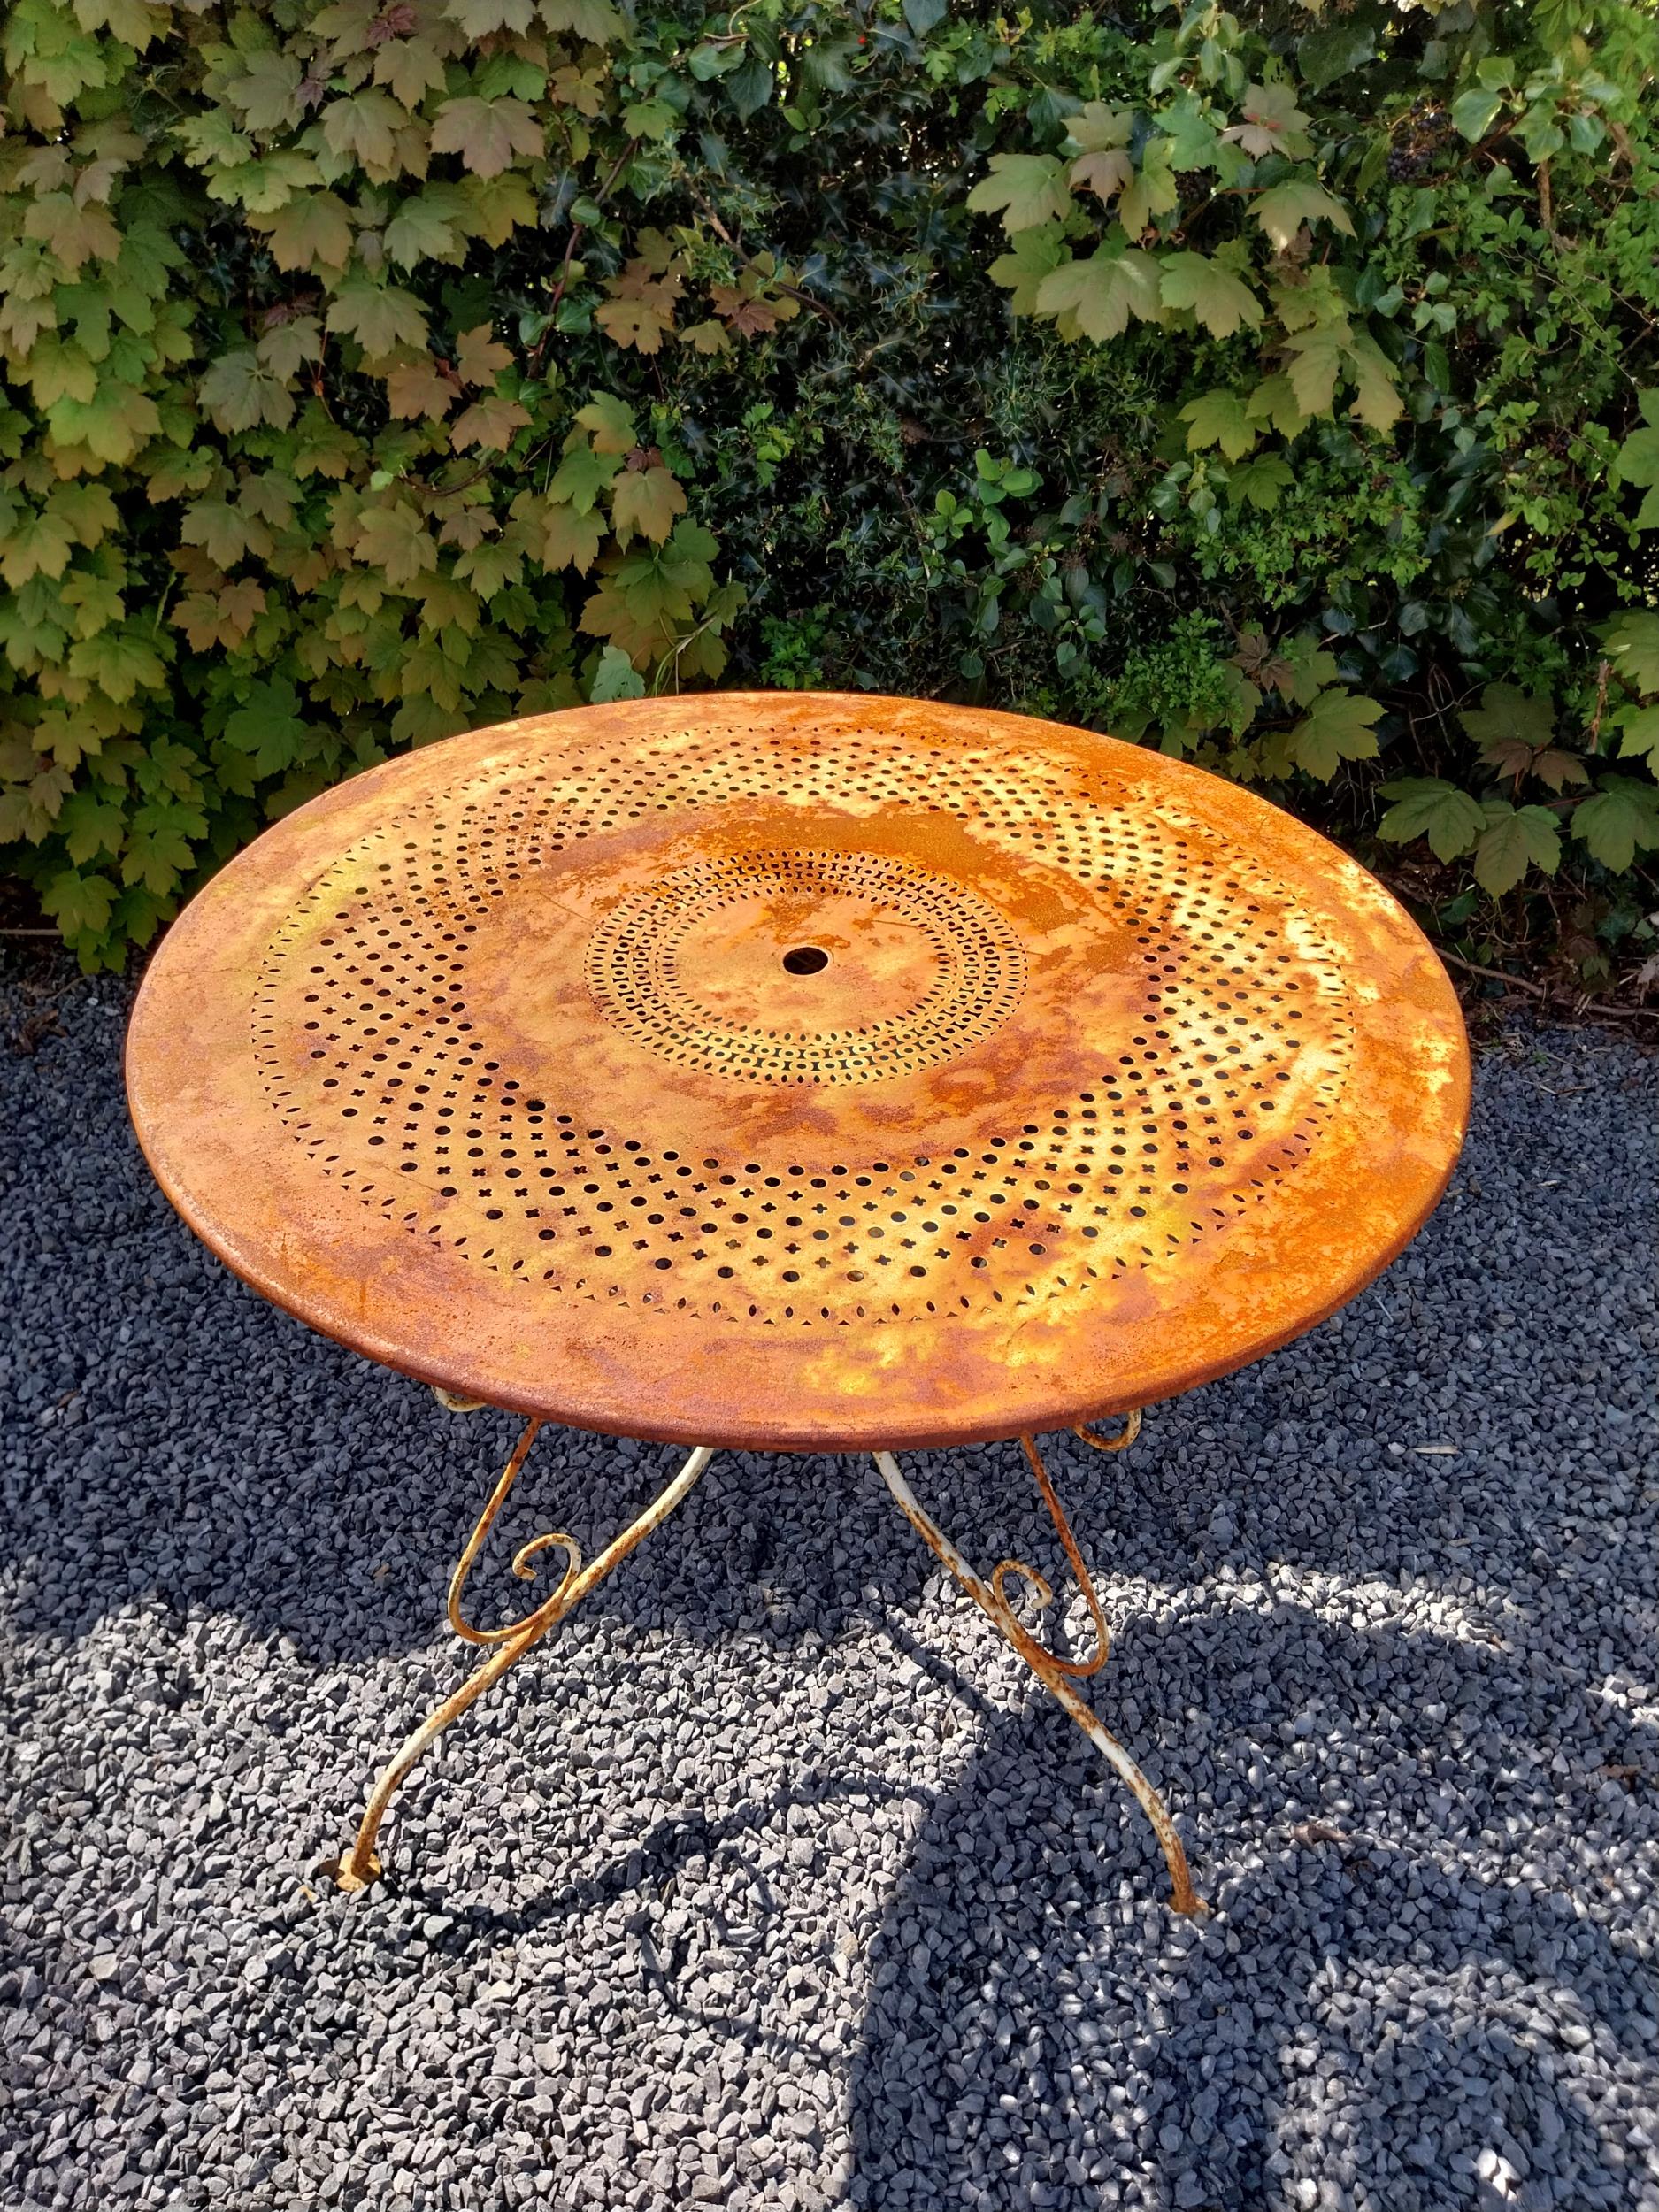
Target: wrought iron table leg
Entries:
(1055, 1674)
(361, 1865)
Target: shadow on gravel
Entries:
(1408, 2049)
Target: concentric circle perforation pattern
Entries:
(543, 1014)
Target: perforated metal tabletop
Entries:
(797, 1072)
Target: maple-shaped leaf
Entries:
(58, 370)
(266, 95)
(570, 539)
(491, 565)
(91, 826)
(159, 847)
(1259, 659)
(609, 422)
(1510, 726)
(1212, 294)
(410, 68)
(378, 316)
(1098, 296)
(1314, 360)
(1025, 188)
(1428, 806)
(423, 229)
(1631, 644)
(1098, 125)
(1515, 839)
(1031, 257)
(312, 231)
(480, 359)
(118, 662)
(1640, 735)
(582, 476)
(478, 18)
(1621, 819)
(488, 135)
(87, 511)
(80, 905)
(269, 726)
(749, 316)
(1273, 124)
(36, 545)
(615, 676)
(224, 531)
(640, 323)
(595, 20)
(1104, 173)
(1262, 483)
(644, 503)
(286, 346)
(395, 539)
(94, 602)
(706, 338)
(1152, 190)
(1637, 460)
(490, 423)
(1377, 400)
(364, 127)
(1336, 728)
(239, 392)
(1218, 419)
(1285, 208)
(419, 387)
(1274, 403)
(74, 235)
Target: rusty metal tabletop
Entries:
(799, 1072)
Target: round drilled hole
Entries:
(806, 959)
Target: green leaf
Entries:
(90, 825)
(1631, 644)
(1377, 400)
(158, 845)
(1322, 56)
(1283, 211)
(1507, 713)
(1315, 361)
(239, 393)
(423, 229)
(119, 662)
(270, 727)
(1022, 269)
(609, 422)
(582, 476)
(1515, 838)
(38, 545)
(644, 503)
(1623, 817)
(615, 678)
(1639, 726)
(312, 231)
(1217, 298)
(488, 135)
(1219, 419)
(1096, 297)
(1338, 728)
(1428, 806)
(1473, 114)
(595, 20)
(1027, 188)
(378, 316)
(81, 905)
(1261, 482)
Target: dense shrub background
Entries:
(1280, 388)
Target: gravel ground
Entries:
(775, 1882)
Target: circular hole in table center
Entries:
(805, 959)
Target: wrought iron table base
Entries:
(361, 1865)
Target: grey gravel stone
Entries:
(773, 1883)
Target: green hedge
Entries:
(1277, 389)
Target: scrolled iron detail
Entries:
(1084, 1431)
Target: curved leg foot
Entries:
(1055, 1674)
(361, 1865)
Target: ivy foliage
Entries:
(1277, 389)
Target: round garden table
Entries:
(800, 1072)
